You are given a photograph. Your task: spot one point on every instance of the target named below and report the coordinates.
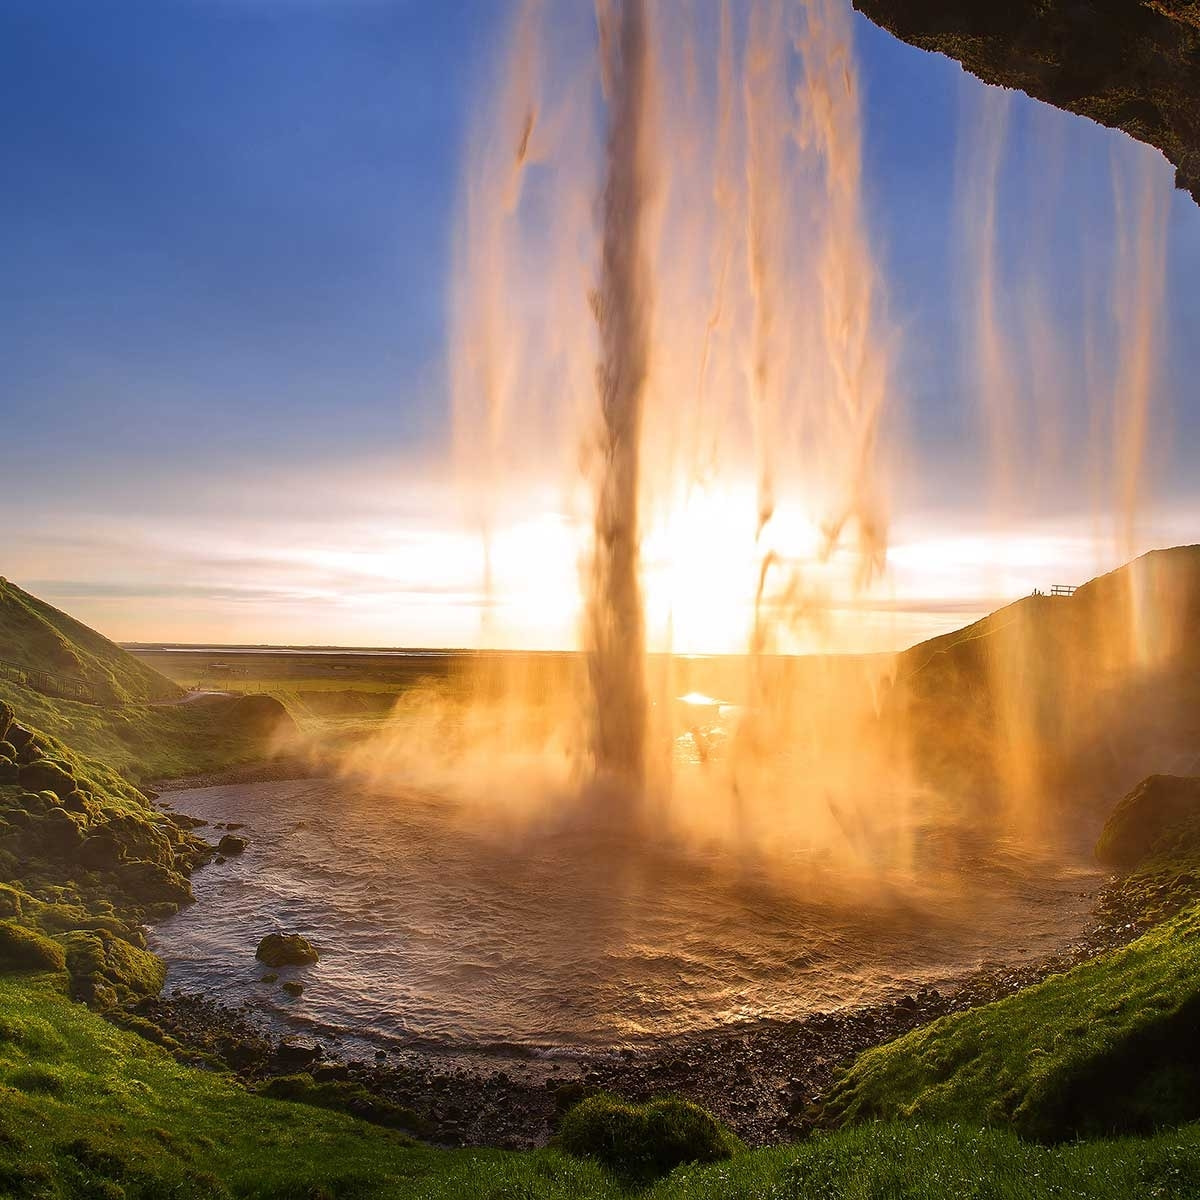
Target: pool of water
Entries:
(437, 930)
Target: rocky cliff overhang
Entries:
(1129, 64)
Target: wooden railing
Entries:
(66, 687)
(1063, 589)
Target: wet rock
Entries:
(286, 950)
(294, 987)
(297, 1055)
(231, 845)
(182, 821)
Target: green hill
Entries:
(38, 638)
(1062, 700)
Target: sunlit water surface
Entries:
(435, 936)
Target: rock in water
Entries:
(231, 845)
(286, 950)
(1147, 819)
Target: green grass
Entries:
(1108, 1047)
(37, 636)
(141, 742)
(91, 1110)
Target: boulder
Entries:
(151, 884)
(297, 1055)
(286, 950)
(6, 718)
(101, 852)
(182, 821)
(18, 736)
(24, 949)
(9, 771)
(231, 845)
(43, 774)
(142, 838)
(68, 828)
(8, 751)
(1147, 820)
(294, 987)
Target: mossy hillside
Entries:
(86, 861)
(148, 742)
(1111, 1046)
(91, 1110)
(37, 636)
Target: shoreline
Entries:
(271, 770)
(765, 1079)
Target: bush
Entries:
(106, 970)
(22, 949)
(642, 1141)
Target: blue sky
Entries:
(226, 231)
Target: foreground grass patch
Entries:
(87, 1110)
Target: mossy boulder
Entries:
(230, 843)
(643, 1141)
(17, 735)
(142, 837)
(8, 751)
(56, 834)
(286, 950)
(105, 969)
(101, 852)
(1148, 819)
(150, 884)
(9, 771)
(23, 949)
(10, 901)
(48, 775)
(6, 718)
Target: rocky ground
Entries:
(764, 1079)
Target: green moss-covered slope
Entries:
(1111, 1046)
(37, 636)
(91, 1110)
(148, 742)
(84, 861)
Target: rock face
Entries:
(1128, 65)
(286, 950)
(1157, 810)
